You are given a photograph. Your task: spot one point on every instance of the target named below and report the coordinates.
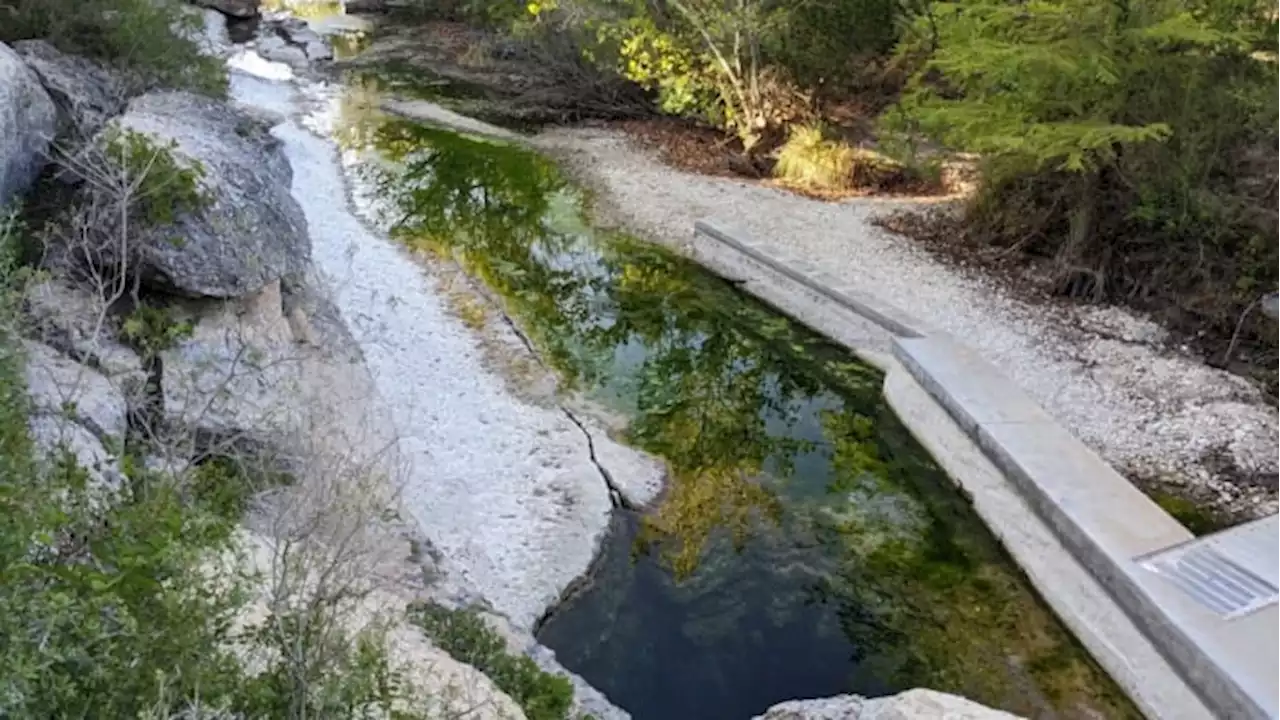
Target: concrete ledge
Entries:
(1077, 597)
(868, 306)
(1106, 523)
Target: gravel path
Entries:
(1110, 376)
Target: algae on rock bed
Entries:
(804, 533)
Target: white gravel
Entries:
(506, 491)
(1106, 374)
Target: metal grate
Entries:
(1231, 573)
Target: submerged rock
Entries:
(86, 94)
(252, 231)
(918, 704)
(28, 121)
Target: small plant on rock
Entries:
(465, 636)
(152, 329)
(163, 187)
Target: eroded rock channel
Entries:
(804, 545)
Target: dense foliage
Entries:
(153, 41)
(1132, 142)
(125, 596)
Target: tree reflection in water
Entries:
(806, 544)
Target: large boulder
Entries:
(86, 94)
(234, 8)
(28, 122)
(918, 704)
(277, 376)
(252, 232)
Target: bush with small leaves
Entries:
(152, 41)
(467, 638)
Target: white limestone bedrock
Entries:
(506, 491)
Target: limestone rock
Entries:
(276, 48)
(243, 380)
(75, 409)
(86, 94)
(58, 385)
(233, 8)
(292, 41)
(252, 232)
(918, 704)
(75, 322)
(28, 121)
(209, 30)
(52, 435)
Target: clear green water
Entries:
(806, 546)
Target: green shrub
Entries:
(811, 160)
(151, 329)
(479, 12)
(102, 607)
(468, 639)
(161, 188)
(149, 39)
(826, 42)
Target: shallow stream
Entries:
(805, 546)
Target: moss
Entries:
(1199, 520)
(15, 445)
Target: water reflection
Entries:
(307, 9)
(807, 546)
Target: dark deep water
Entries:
(806, 546)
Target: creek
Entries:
(805, 544)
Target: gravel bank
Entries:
(1110, 376)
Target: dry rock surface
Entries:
(252, 231)
(1110, 377)
(231, 8)
(28, 121)
(85, 93)
(910, 705)
(76, 409)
